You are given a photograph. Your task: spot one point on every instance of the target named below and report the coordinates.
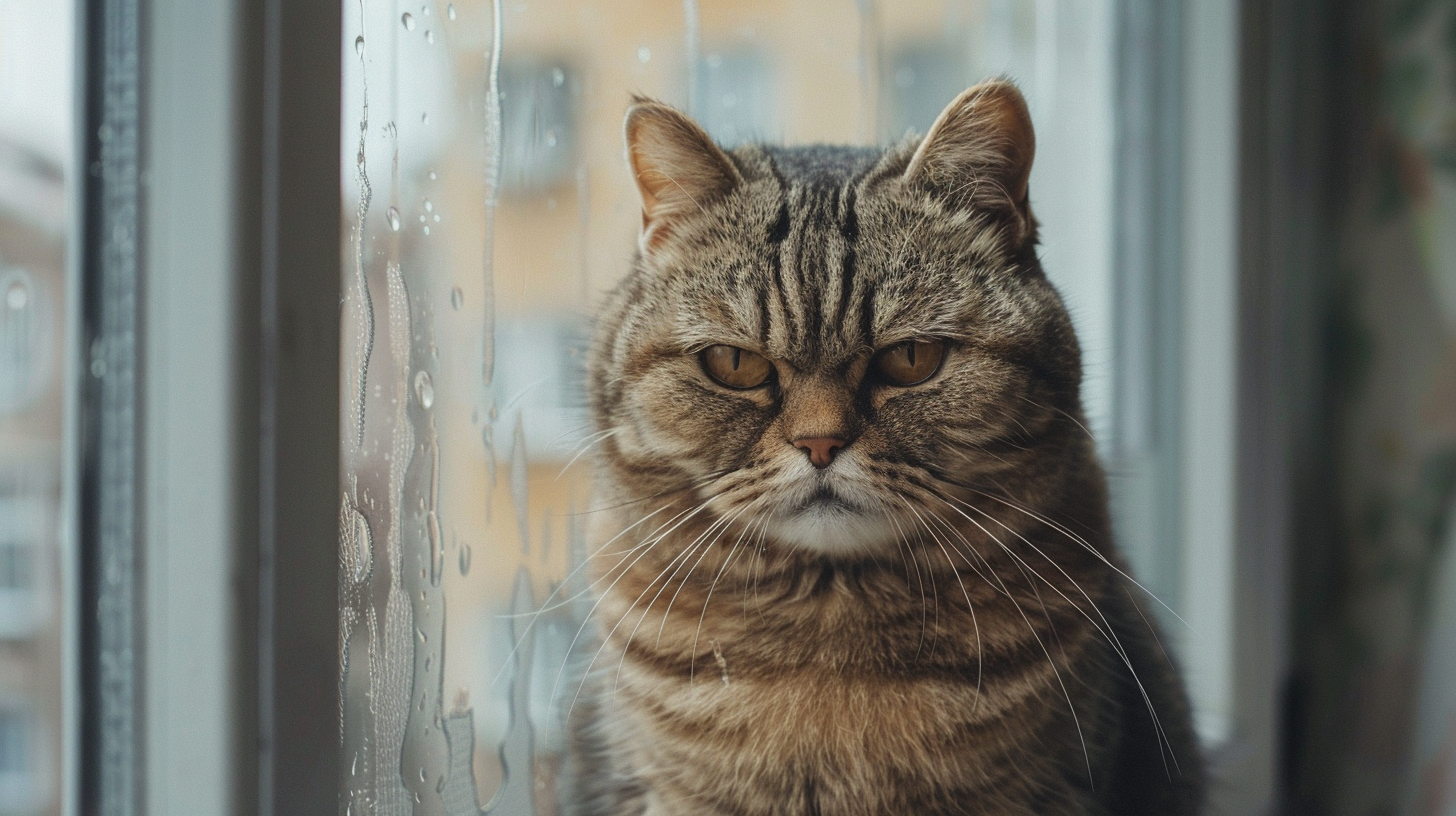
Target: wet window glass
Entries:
(487, 208)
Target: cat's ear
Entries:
(978, 153)
(676, 165)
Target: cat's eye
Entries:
(735, 367)
(910, 363)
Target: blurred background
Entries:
(1250, 209)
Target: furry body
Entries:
(938, 621)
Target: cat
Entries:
(855, 554)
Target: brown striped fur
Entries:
(937, 622)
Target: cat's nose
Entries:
(820, 448)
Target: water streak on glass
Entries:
(363, 305)
(517, 748)
(692, 36)
(518, 483)
(494, 152)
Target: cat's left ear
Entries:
(677, 167)
(978, 153)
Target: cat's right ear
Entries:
(978, 154)
(677, 167)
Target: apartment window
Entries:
(26, 353)
(20, 783)
(24, 527)
(733, 95)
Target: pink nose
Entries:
(820, 448)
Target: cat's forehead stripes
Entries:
(813, 306)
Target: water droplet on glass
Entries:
(354, 767)
(457, 298)
(494, 412)
(450, 11)
(427, 230)
(408, 20)
(644, 54)
(429, 36)
(558, 77)
(424, 118)
(429, 207)
(393, 215)
(551, 138)
(440, 785)
(437, 218)
(432, 175)
(465, 559)
(424, 389)
(422, 218)
(424, 11)
(428, 661)
(359, 45)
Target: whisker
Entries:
(693, 658)
(1076, 720)
(598, 438)
(980, 654)
(686, 515)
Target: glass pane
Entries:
(488, 208)
(35, 139)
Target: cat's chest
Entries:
(851, 740)
(820, 713)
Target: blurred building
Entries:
(32, 290)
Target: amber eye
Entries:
(910, 363)
(735, 367)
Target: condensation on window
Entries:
(487, 207)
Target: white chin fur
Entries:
(849, 526)
(833, 530)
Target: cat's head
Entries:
(833, 343)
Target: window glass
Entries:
(35, 139)
(487, 207)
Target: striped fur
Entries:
(936, 623)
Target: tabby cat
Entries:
(856, 555)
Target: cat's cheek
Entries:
(691, 425)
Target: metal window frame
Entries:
(203, 465)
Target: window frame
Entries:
(221, 123)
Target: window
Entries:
(22, 788)
(304, 430)
(487, 209)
